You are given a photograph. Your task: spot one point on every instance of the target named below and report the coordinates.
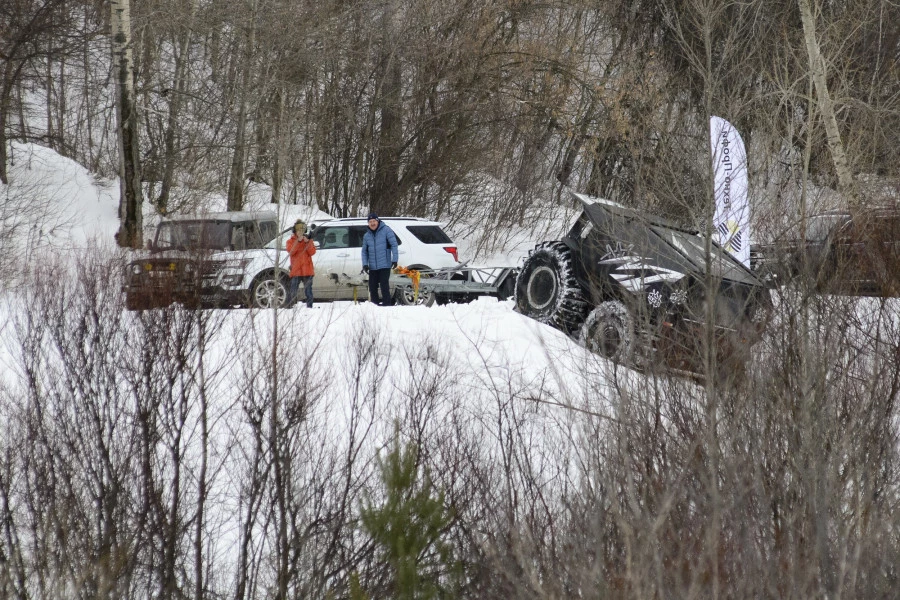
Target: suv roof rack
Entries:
(232, 216)
(379, 218)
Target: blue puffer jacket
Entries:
(375, 247)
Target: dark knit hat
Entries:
(372, 215)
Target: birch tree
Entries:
(130, 234)
(824, 102)
(239, 154)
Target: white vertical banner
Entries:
(732, 218)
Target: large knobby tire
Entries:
(546, 288)
(269, 291)
(609, 331)
(405, 296)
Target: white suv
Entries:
(423, 246)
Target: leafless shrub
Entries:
(106, 408)
(225, 453)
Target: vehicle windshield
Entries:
(193, 235)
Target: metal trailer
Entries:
(465, 283)
(450, 284)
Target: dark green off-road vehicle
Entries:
(633, 288)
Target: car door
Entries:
(330, 261)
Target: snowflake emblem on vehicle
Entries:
(654, 298)
(678, 297)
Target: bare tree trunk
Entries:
(825, 104)
(179, 85)
(281, 146)
(12, 574)
(48, 108)
(130, 218)
(4, 104)
(236, 178)
(10, 75)
(387, 160)
(202, 483)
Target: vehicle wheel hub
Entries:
(608, 339)
(542, 287)
(270, 294)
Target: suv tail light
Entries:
(452, 250)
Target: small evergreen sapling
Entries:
(408, 527)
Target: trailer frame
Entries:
(454, 283)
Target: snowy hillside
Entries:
(228, 432)
(472, 373)
(55, 209)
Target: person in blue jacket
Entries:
(379, 256)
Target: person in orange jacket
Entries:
(301, 249)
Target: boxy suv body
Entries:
(198, 259)
(633, 288)
(841, 253)
(238, 258)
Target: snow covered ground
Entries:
(474, 373)
(68, 211)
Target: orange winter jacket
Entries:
(301, 256)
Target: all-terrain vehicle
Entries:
(633, 288)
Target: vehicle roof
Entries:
(363, 220)
(592, 203)
(232, 216)
(594, 207)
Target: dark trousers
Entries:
(379, 278)
(293, 286)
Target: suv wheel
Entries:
(609, 331)
(269, 291)
(546, 288)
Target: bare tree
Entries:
(825, 103)
(130, 233)
(32, 30)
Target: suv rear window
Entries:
(429, 234)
